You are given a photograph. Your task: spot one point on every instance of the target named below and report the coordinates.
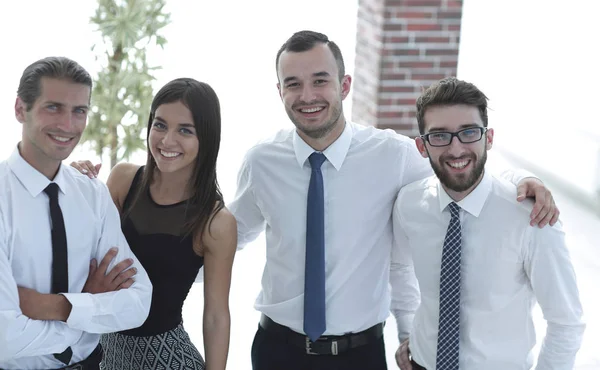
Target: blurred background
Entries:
(534, 59)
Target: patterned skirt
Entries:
(172, 350)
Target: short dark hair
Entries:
(451, 91)
(306, 40)
(53, 67)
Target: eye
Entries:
(291, 85)
(52, 107)
(320, 82)
(186, 131)
(470, 132)
(81, 110)
(159, 125)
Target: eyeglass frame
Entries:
(483, 130)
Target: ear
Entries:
(489, 138)
(279, 90)
(20, 110)
(345, 84)
(421, 147)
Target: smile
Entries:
(61, 139)
(169, 154)
(311, 110)
(459, 165)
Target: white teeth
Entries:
(311, 110)
(60, 138)
(459, 165)
(169, 154)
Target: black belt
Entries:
(92, 362)
(325, 345)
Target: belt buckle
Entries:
(334, 348)
(308, 348)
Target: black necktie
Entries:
(60, 271)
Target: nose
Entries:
(65, 122)
(308, 93)
(456, 148)
(168, 138)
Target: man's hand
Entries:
(544, 210)
(119, 277)
(38, 306)
(87, 168)
(402, 358)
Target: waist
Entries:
(159, 322)
(325, 345)
(92, 362)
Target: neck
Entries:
(46, 166)
(457, 196)
(322, 143)
(170, 188)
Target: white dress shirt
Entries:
(93, 226)
(506, 266)
(364, 170)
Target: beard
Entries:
(459, 182)
(320, 131)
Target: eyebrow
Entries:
(180, 125)
(316, 74)
(50, 102)
(442, 129)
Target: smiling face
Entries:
(312, 92)
(54, 124)
(458, 166)
(172, 139)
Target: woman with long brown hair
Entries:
(175, 221)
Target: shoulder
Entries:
(418, 193)
(505, 193)
(368, 134)
(83, 182)
(221, 230)
(121, 177)
(278, 142)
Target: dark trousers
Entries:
(416, 366)
(269, 352)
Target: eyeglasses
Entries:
(465, 136)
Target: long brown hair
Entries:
(206, 198)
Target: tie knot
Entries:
(316, 160)
(454, 209)
(52, 190)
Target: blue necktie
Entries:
(314, 271)
(449, 324)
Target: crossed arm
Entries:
(34, 324)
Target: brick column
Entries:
(402, 46)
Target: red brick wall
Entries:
(402, 46)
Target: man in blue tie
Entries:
(323, 192)
(479, 265)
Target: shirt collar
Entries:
(33, 180)
(472, 203)
(335, 153)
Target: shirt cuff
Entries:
(82, 309)
(404, 323)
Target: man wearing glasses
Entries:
(479, 265)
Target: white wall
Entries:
(539, 62)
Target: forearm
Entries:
(110, 312)
(216, 332)
(56, 307)
(405, 298)
(21, 336)
(560, 346)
